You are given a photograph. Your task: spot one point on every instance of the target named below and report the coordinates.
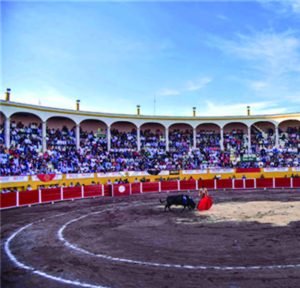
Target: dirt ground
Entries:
(247, 239)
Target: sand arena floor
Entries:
(247, 239)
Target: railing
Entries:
(25, 198)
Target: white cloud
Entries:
(168, 92)
(284, 7)
(220, 109)
(258, 85)
(198, 84)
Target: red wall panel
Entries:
(121, 189)
(72, 192)
(249, 183)
(135, 188)
(208, 183)
(92, 190)
(296, 182)
(50, 194)
(28, 197)
(169, 186)
(8, 199)
(264, 182)
(150, 187)
(282, 182)
(238, 183)
(107, 190)
(224, 183)
(188, 185)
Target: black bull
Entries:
(182, 200)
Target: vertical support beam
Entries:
(178, 185)
(138, 138)
(102, 190)
(40, 196)
(222, 138)
(276, 136)
(255, 183)
(77, 136)
(159, 186)
(249, 139)
(108, 138)
(194, 137)
(167, 138)
(141, 187)
(82, 191)
(7, 132)
(44, 136)
(197, 186)
(244, 183)
(215, 184)
(18, 198)
(61, 193)
(233, 183)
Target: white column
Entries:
(44, 136)
(249, 140)
(167, 138)
(7, 132)
(276, 136)
(138, 138)
(222, 139)
(108, 138)
(77, 136)
(194, 138)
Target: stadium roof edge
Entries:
(144, 117)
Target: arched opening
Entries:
(235, 137)
(61, 134)
(262, 136)
(93, 136)
(153, 137)
(208, 136)
(2, 130)
(123, 136)
(180, 137)
(289, 135)
(25, 132)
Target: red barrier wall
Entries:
(121, 189)
(150, 187)
(296, 182)
(135, 188)
(264, 182)
(108, 190)
(282, 182)
(188, 185)
(8, 199)
(51, 194)
(92, 190)
(208, 183)
(71, 192)
(247, 170)
(169, 186)
(238, 183)
(28, 197)
(249, 183)
(224, 183)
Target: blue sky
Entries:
(219, 56)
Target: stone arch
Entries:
(208, 135)
(180, 136)
(123, 135)
(153, 135)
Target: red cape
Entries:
(205, 203)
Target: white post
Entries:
(222, 139)
(244, 183)
(249, 140)
(130, 189)
(194, 138)
(18, 198)
(167, 138)
(233, 183)
(274, 182)
(40, 196)
(178, 185)
(112, 190)
(61, 193)
(197, 185)
(141, 187)
(292, 182)
(108, 138)
(82, 191)
(138, 138)
(215, 184)
(44, 136)
(7, 132)
(102, 190)
(159, 186)
(77, 136)
(255, 183)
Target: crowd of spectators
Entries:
(25, 156)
